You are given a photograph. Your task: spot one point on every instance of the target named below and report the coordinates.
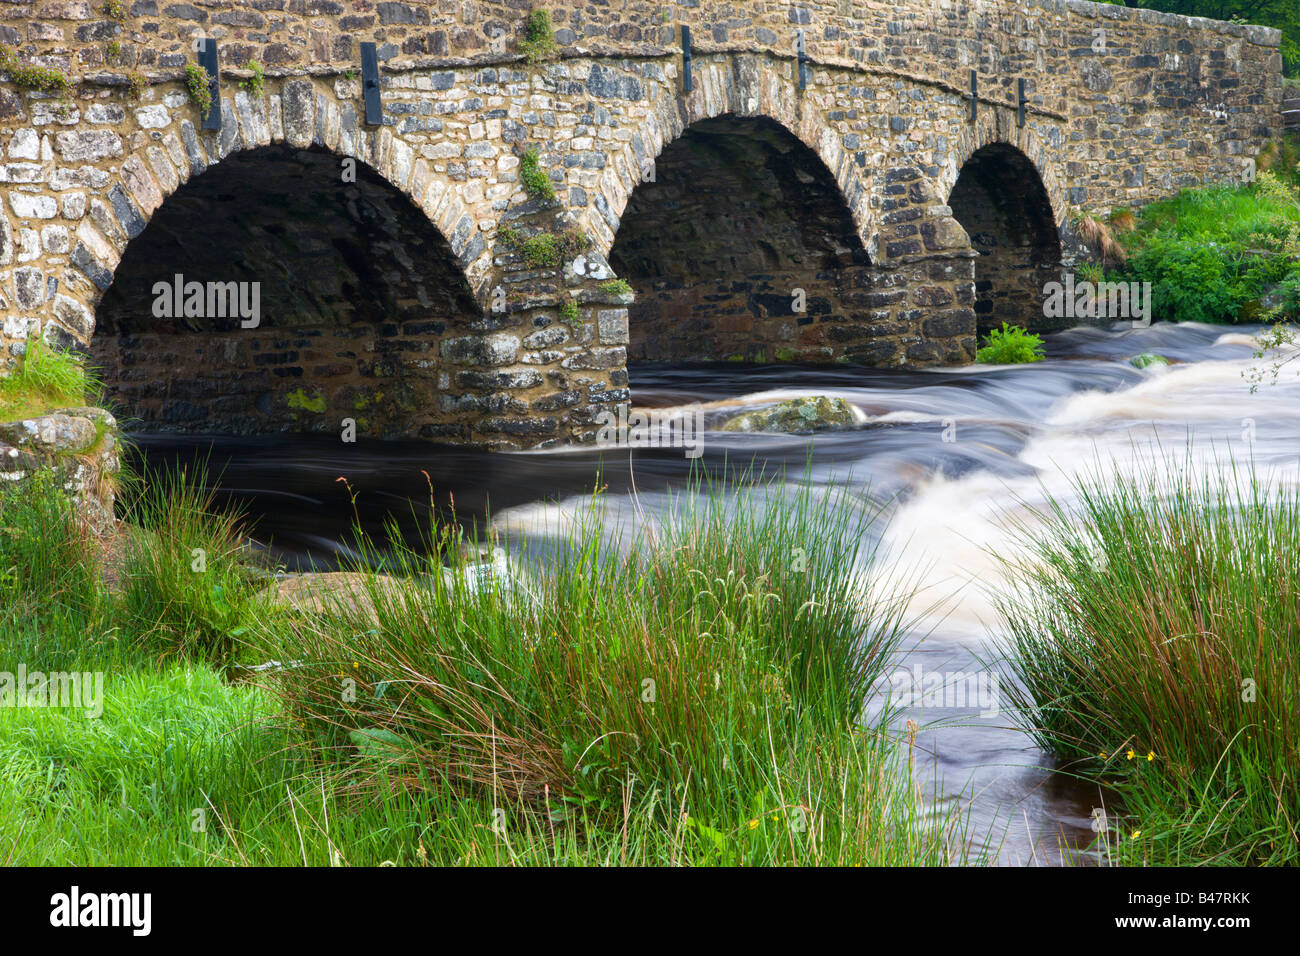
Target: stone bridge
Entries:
(852, 203)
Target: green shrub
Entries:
(1010, 345)
(43, 79)
(616, 287)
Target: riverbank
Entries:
(693, 702)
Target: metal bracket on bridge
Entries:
(803, 60)
(686, 58)
(370, 85)
(974, 95)
(1020, 97)
(207, 56)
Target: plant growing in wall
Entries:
(538, 42)
(255, 83)
(136, 84)
(535, 181)
(546, 249)
(114, 10)
(42, 79)
(571, 314)
(197, 86)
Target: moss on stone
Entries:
(299, 399)
(798, 415)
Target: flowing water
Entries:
(950, 455)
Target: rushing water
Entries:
(949, 454)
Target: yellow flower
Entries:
(1151, 755)
(1102, 755)
(753, 824)
(1131, 755)
(1136, 834)
(356, 666)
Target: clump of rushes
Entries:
(43, 79)
(538, 42)
(198, 87)
(702, 681)
(536, 183)
(1155, 635)
(255, 83)
(187, 591)
(616, 287)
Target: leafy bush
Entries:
(1216, 254)
(1010, 345)
(198, 87)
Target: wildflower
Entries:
(356, 666)
(1136, 834)
(753, 824)
(1131, 755)
(1151, 755)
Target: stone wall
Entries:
(1151, 104)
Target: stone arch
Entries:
(271, 293)
(1003, 203)
(130, 159)
(784, 184)
(743, 85)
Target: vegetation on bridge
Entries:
(1281, 14)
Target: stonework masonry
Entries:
(395, 299)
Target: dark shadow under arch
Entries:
(355, 288)
(1000, 200)
(738, 216)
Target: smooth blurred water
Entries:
(951, 456)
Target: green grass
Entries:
(44, 379)
(703, 673)
(747, 753)
(1157, 637)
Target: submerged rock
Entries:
(1147, 359)
(797, 415)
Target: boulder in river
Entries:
(796, 415)
(1147, 359)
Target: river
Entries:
(948, 454)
